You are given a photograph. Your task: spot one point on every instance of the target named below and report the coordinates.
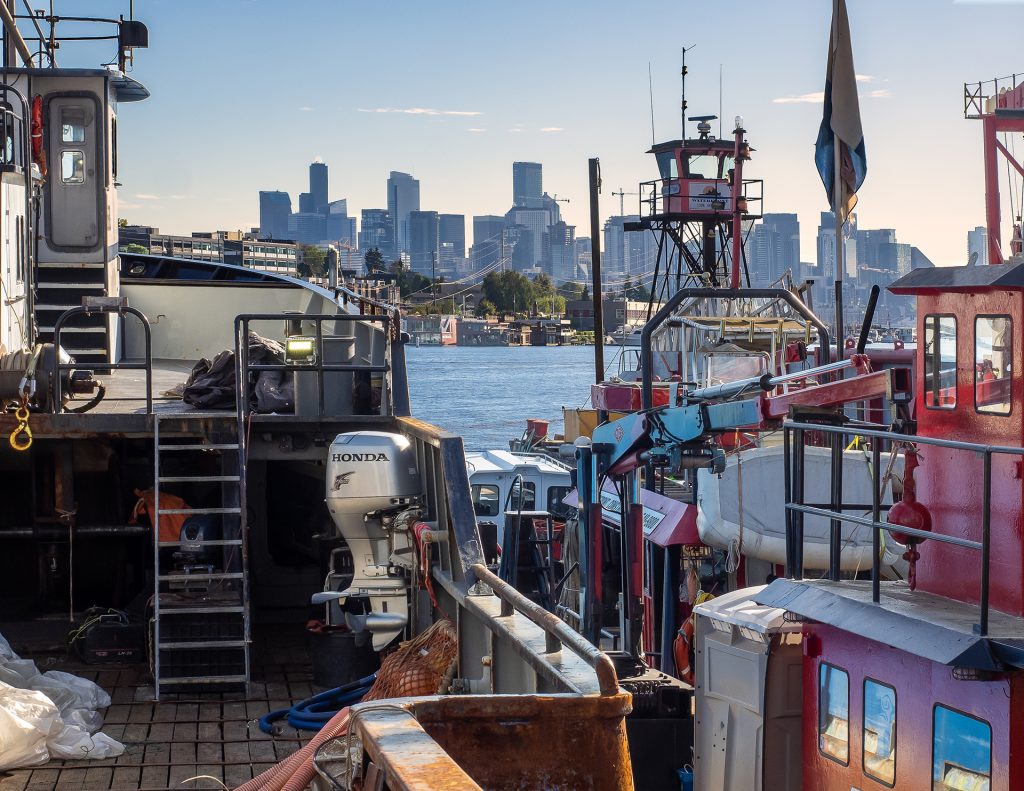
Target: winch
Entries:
(373, 494)
(28, 374)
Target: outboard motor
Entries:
(373, 490)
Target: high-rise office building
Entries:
(977, 242)
(560, 254)
(318, 185)
(275, 207)
(306, 205)
(403, 198)
(307, 227)
(377, 232)
(451, 234)
(527, 184)
(423, 242)
(488, 230)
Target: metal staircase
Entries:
(60, 286)
(201, 612)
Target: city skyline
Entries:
(426, 120)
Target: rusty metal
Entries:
(557, 632)
(465, 743)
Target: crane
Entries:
(622, 200)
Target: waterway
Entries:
(486, 394)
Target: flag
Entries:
(840, 123)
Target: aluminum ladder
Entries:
(201, 629)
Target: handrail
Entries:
(557, 633)
(88, 310)
(796, 509)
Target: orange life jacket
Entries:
(170, 524)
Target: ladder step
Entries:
(183, 645)
(45, 284)
(199, 447)
(167, 611)
(231, 575)
(199, 478)
(233, 510)
(203, 680)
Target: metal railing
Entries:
(60, 367)
(244, 366)
(977, 94)
(796, 508)
(657, 196)
(556, 632)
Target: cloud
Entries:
(146, 196)
(552, 129)
(124, 205)
(817, 97)
(306, 109)
(419, 111)
(476, 129)
(149, 196)
(865, 78)
(515, 129)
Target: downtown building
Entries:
(424, 242)
(403, 199)
(377, 231)
(275, 209)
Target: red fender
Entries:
(681, 651)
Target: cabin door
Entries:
(75, 209)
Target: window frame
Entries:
(479, 487)
(935, 707)
(81, 155)
(990, 316)
(864, 728)
(845, 672)
(938, 372)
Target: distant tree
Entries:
(374, 260)
(122, 222)
(508, 290)
(409, 282)
(313, 263)
(486, 308)
(585, 294)
(134, 248)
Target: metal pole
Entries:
(12, 36)
(986, 519)
(876, 516)
(595, 268)
(787, 487)
(737, 215)
(798, 496)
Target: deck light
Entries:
(300, 350)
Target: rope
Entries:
(312, 714)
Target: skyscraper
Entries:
(423, 242)
(377, 232)
(487, 240)
(403, 198)
(306, 203)
(275, 207)
(977, 242)
(527, 184)
(451, 233)
(318, 186)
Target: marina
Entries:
(268, 531)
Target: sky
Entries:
(246, 93)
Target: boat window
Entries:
(557, 508)
(834, 713)
(879, 731)
(667, 164)
(72, 167)
(993, 363)
(485, 499)
(939, 362)
(702, 166)
(72, 125)
(724, 367)
(961, 750)
(525, 500)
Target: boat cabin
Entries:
(917, 684)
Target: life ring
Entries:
(681, 651)
(38, 153)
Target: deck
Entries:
(181, 737)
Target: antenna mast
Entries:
(682, 99)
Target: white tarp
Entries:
(48, 715)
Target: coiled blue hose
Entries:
(313, 713)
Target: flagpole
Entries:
(837, 204)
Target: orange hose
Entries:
(295, 772)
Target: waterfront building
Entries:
(403, 198)
(270, 256)
(275, 208)
(977, 243)
(423, 242)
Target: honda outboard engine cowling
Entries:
(373, 488)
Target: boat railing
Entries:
(838, 512)
(103, 305)
(978, 94)
(557, 633)
(317, 364)
(661, 197)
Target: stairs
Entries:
(201, 626)
(60, 286)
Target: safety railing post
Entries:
(986, 520)
(876, 516)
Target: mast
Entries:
(595, 268)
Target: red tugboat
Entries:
(922, 688)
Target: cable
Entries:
(313, 713)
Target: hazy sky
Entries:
(247, 92)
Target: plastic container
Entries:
(337, 660)
(685, 779)
(537, 428)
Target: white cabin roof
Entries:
(498, 461)
(739, 608)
